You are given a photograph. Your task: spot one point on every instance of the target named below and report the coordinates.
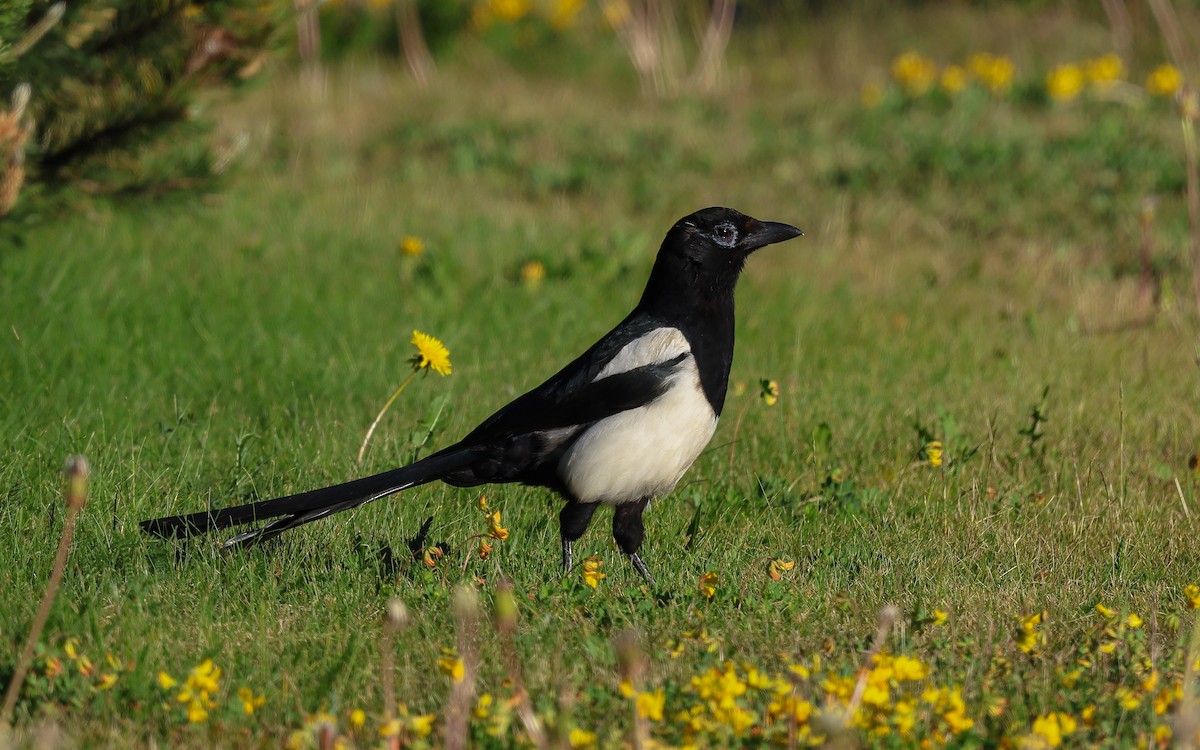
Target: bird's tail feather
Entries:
(305, 507)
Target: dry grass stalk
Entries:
(412, 41)
(39, 30)
(395, 619)
(308, 39)
(1147, 283)
(1172, 32)
(1121, 26)
(631, 661)
(462, 692)
(76, 498)
(710, 66)
(506, 625)
(887, 618)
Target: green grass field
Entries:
(967, 260)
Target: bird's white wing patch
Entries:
(659, 345)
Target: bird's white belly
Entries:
(642, 452)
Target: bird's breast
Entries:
(642, 452)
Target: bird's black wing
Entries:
(573, 396)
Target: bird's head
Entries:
(705, 251)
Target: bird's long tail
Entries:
(306, 507)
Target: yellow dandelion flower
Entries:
(708, 584)
(1164, 80)
(412, 247)
(995, 72)
(1065, 82)
(768, 392)
(914, 72)
(1192, 593)
(954, 79)
(431, 354)
(591, 571)
(1107, 647)
(483, 706)
(358, 717)
(422, 726)
(871, 95)
(532, 273)
(451, 665)
(580, 739)
(1104, 71)
(934, 453)
(1105, 612)
(778, 567)
(650, 705)
(1134, 621)
(166, 681)
(1162, 735)
(250, 702)
(908, 669)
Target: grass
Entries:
(965, 261)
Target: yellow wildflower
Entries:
(495, 530)
(196, 712)
(933, 453)
(1107, 647)
(431, 555)
(591, 571)
(906, 668)
(650, 705)
(1162, 735)
(954, 79)
(1088, 714)
(451, 665)
(509, 10)
(768, 392)
(1133, 621)
(358, 717)
(1127, 699)
(1029, 636)
(995, 72)
(1052, 727)
(249, 700)
(391, 728)
(1164, 80)
(412, 247)
(708, 584)
(71, 648)
(533, 272)
(166, 681)
(1065, 82)
(422, 726)
(564, 14)
(914, 72)
(1105, 612)
(580, 739)
(431, 354)
(778, 567)
(939, 617)
(1102, 72)
(485, 548)
(1069, 679)
(1192, 592)
(616, 13)
(107, 680)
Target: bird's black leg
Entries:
(628, 531)
(572, 522)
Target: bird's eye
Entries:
(725, 234)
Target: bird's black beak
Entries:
(763, 233)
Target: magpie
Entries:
(618, 426)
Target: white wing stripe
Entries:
(659, 345)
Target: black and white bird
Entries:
(618, 426)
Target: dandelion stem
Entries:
(76, 496)
(362, 449)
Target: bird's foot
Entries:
(641, 568)
(566, 556)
